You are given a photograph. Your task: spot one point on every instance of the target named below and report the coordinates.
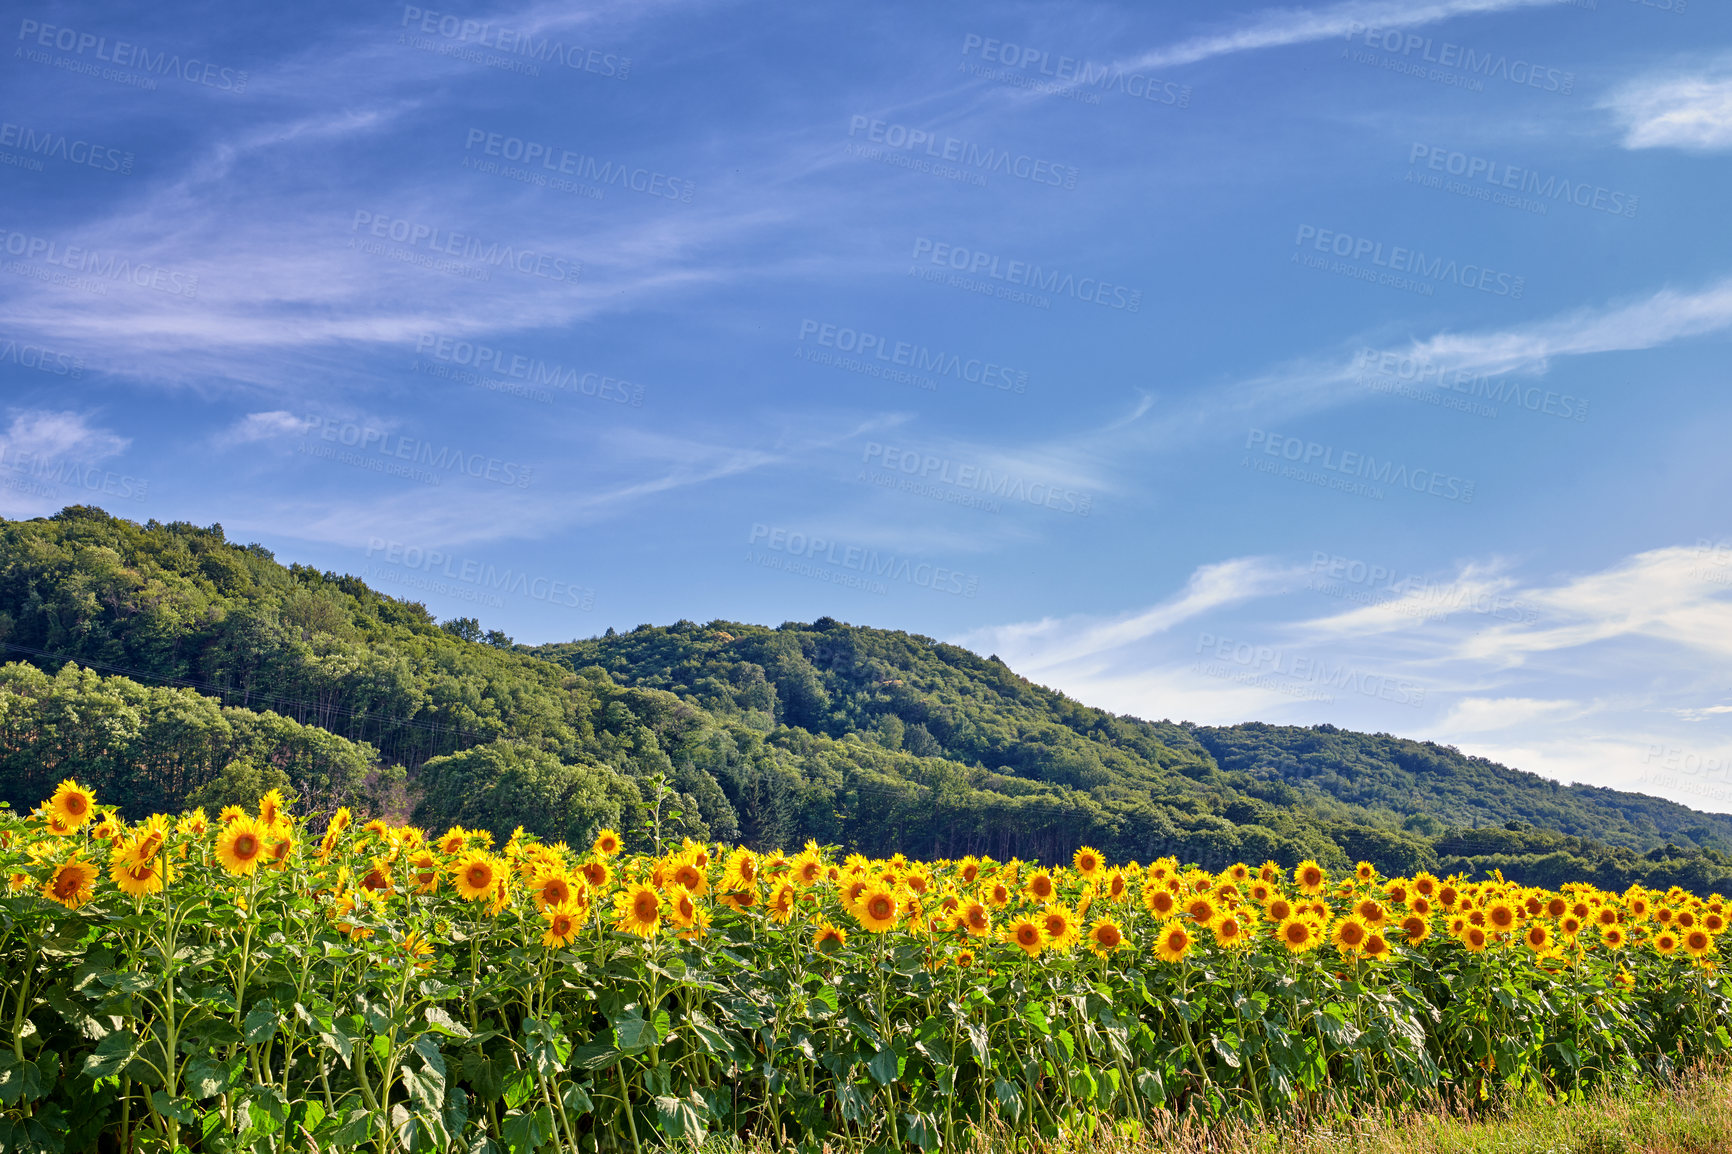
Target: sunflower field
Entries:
(259, 981)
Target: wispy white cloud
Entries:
(1054, 644)
(1660, 318)
(1280, 27)
(1692, 112)
(1553, 693)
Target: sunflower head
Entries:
(1060, 926)
(638, 909)
(563, 923)
(71, 884)
(1104, 937)
(606, 844)
(1298, 934)
(827, 939)
(71, 806)
(1088, 862)
(878, 909)
(240, 846)
(1173, 942)
(476, 874)
(1309, 877)
(1025, 934)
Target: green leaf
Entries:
(679, 1118)
(518, 1089)
(575, 1099)
(111, 1055)
(977, 1037)
(885, 1066)
(207, 1076)
(426, 1084)
(1228, 1052)
(260, 1025)
(445, 1023)
(1009, 1098)
(482, 1075)
(525, 1133)
(634, 1034)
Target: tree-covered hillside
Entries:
(205, 671)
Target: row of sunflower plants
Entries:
(262, 981)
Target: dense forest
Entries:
(167, 666)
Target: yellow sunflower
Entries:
(976, 920)
(270, 807)
(1349, 934)
(563, 924)
(606, 843)
(1298, 935)
(1104, 937)
(73, 804)
(477, 875)
(1376, 947)
(877, 909)
(1698, 942)
(71, 884)
(1416, 927)
(1309, 877)
(1234, 928)
(781, 904)
(638, 910)
(1173, 942)
(1040, 886)
(241, 845)
(1060, 926)
(1088, 863)
(551, 888)
(827, 939)
(1666, 943)
(136, 879)
(1538, 937)
(1025, 934)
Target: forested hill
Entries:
(168, 666)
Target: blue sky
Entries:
(1359, 362)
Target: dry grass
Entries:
(1692, 1116)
